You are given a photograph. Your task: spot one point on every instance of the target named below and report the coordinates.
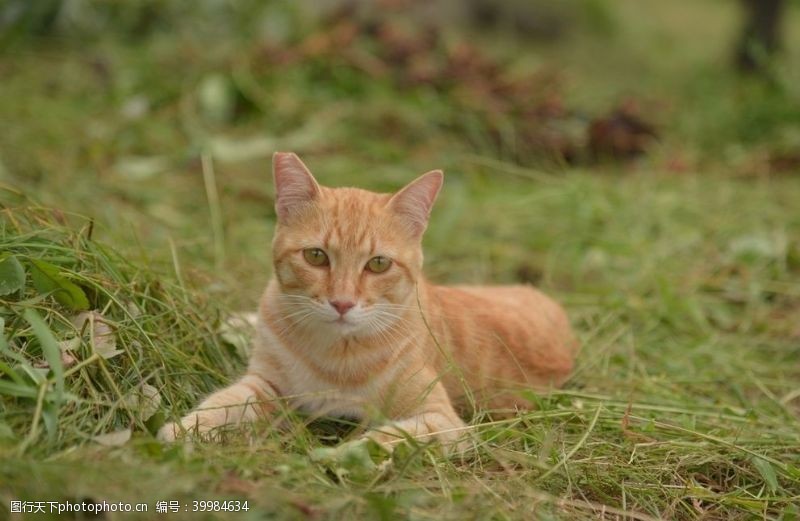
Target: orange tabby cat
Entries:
(349, 326)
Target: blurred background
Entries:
(158, 118)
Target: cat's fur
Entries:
(408, 353)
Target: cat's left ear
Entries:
(414, 202)
(295, 187)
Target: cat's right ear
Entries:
(414, 202)
(295, 187)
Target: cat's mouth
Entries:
(341, 321)
(344, 326)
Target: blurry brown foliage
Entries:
(528, 109)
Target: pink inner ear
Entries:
(295, 187)
(414, 202)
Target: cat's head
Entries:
(347, 260)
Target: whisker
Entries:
(293, 324)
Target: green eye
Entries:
(315, 257)
(379, 264)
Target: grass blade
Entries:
(50, 350)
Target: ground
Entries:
(135, 181)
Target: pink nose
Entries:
(342, 306)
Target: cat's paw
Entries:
(189, 427)
(170, 432)
(390, 436)
(387, 438)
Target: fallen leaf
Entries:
(70, 344)
(67, 360)
(238, 331)
(146, 401)
(133, 309)
(114, 439)
(101, 334)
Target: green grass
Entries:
(680, 270)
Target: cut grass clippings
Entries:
(168, 346)
(670, 415)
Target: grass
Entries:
(122, 168)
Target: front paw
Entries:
(188, 427)
(390, 436)
(170, 432)
(387, 438)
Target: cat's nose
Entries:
(342, 306)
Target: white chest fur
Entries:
(306, 391)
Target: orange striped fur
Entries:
(399, 352)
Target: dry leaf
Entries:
(114, 439)
(133, 309)
(146, 401)
(69, 345)
(237, 331)
(67, 360)
(103, 340)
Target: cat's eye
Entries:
(315, 257)
(379, 264)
